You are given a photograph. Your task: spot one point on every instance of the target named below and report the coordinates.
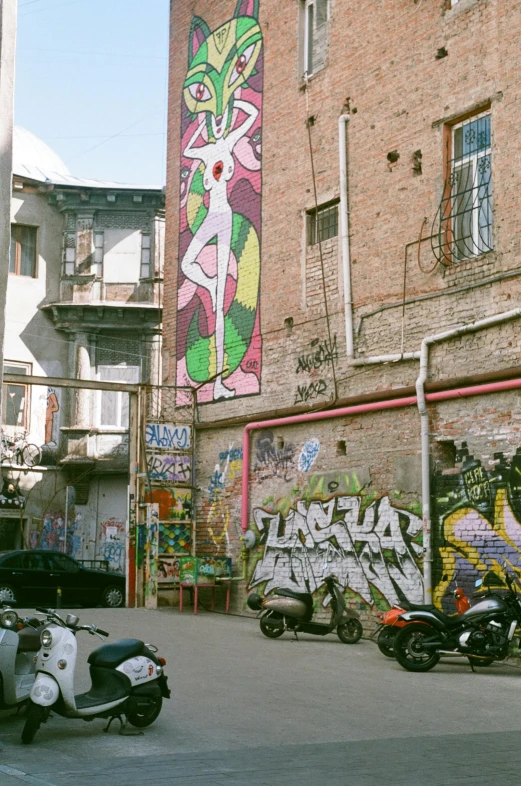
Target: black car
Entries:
(35, 576)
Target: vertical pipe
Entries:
(425, 471)
(343, 120)
(66, 517)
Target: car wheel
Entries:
(113, 597)
(7, 594)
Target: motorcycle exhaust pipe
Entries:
(452, 653)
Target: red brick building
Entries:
(400, 124)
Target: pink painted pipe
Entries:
(357, 409)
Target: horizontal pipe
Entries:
(376, 359)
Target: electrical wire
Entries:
(114, 136)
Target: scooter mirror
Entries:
(71, 620)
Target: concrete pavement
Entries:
(248, 710)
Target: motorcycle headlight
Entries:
(9, 619)
(46, 638)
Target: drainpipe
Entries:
(343, 120)
(424, 428)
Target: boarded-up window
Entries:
(122, 256)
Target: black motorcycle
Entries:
(482, 634)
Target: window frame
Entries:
(313, 228)
(452, 237)
(98, 239)
(26, 408)
(65, 261)
(146, 236)
(309, 14)
(119, 393)
(15, 230)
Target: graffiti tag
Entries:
(322, 353)
(309, 392)
(308, 455)
(274, 459)
(177, 469)
(168, 435)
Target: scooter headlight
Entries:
(46, 638)
(9, 619)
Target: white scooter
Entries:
(127, 679)
(19, 641)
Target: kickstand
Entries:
(123, 730)
(15, 714)
(296, 637)
(472, 666)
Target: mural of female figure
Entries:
(219, 167)
(218, 326)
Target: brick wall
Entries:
(400, 96)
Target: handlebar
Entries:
(92, 629)
(102, 632)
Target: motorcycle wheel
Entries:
(350, 631)
(385, 641)
(409, 650)
(145, 716)
(33, 720)
(271, 631)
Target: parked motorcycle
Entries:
(19, 640)
(482, 634)
(127, 678)
(293, 611)
(391, 621)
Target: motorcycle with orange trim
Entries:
(391, 624)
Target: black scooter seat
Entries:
(109, 655)
(29, 639)
(305, 597)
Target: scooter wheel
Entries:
(33, 720)
(271, 630)
(350, 631)
(144, 716)
(385, 641)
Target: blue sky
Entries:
(87, 70)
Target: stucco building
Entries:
(344, 183)
(83, 300)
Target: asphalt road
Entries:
(248, 710)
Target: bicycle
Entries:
(18, 451)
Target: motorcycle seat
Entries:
(29, 639)
(305, 597)
(109, 655)
(417, 607)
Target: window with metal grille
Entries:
(117, 360)
(322, 224)
(465, 214)
(22, 259)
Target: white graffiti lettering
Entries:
(374, 549)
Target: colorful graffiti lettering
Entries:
(373, 552)
(218, 323)
(226, 472)
(168, 435)
(308, 455)
(478, 523)
(176, 469)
